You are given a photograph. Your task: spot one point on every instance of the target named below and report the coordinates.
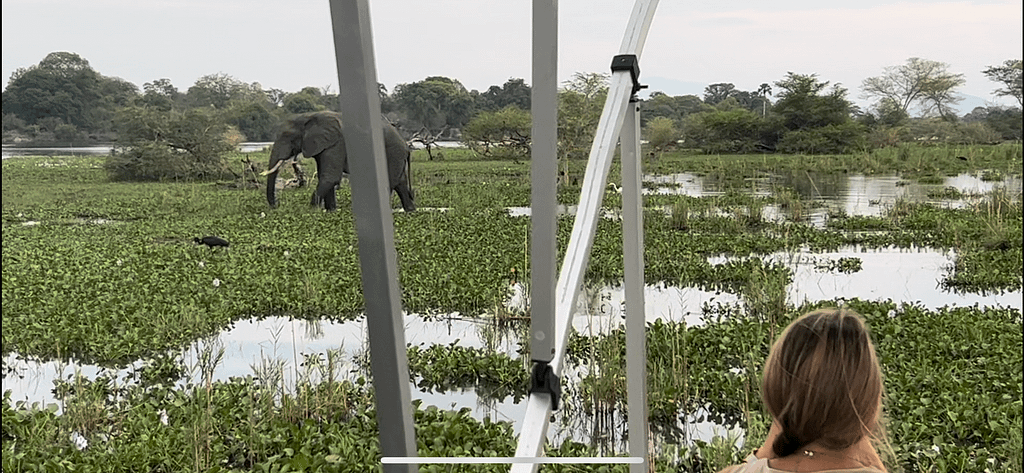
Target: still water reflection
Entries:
(854, 194)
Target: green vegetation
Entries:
(955, 368)
(501, 134)
(109, 276)
(167, 145)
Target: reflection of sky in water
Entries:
(905, 275)
(856, 194)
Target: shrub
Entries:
(882, 136)
(732, 131)
(501, 134)
(67, 133)
(161, 145)
(661, 133)
(939, 130)
(831, 139)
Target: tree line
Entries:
(64, 99)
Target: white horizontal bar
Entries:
(479, 460)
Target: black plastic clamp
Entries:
(544, 380)
(629, 62)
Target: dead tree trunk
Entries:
(428, 140)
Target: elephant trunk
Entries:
(272, 189)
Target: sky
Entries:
(485, 42)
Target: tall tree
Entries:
(929, 84)
(660, 104)
(301, 102)
(816, 117)
(435, 102)
(161, 94)
(763, 91)
(715, 93)
(1010, 75)
(661, 134)
(512, 92)
(63, 85)
(387, 103)
(219, 90)
(807, 102)
(501, 134)
(579, 110)
(253, 119)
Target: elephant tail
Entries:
(408, 172)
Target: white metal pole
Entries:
(538, 408)
(364, 141)
(633, 262)
(543, 173)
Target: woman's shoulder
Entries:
(752, 464)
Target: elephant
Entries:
(320, 135)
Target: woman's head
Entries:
(822, 382)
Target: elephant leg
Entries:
(405, 195)
(325, 194)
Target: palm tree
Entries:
(763, 91)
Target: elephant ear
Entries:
(322, 131)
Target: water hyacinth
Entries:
(453, 259)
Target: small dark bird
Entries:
(962, 158)
(212, 241)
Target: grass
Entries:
(956, 367)
(908, 160)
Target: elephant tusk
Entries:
(275, 168)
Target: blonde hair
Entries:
(822, 382)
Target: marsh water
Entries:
(902, 275)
